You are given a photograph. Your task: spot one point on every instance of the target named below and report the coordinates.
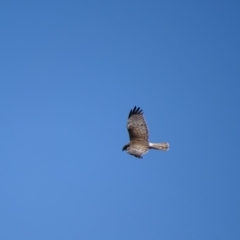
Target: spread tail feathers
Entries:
(159, 146)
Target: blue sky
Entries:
(70, 73)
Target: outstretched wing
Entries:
(137, 127)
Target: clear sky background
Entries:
(70, 73)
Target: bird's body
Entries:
(138, 133)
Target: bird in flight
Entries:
(138, 134)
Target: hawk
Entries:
(138, 134)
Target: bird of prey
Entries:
(138, 134)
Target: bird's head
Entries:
(125, 147)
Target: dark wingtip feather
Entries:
(135, 110)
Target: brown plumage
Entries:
(138, 134)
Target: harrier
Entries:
(138, 134)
